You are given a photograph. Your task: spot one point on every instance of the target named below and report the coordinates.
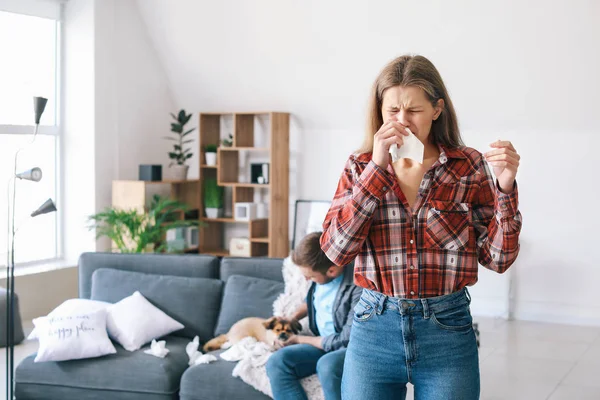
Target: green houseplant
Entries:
(133, 231)
(180, 153)
(227, 142)
(210, 154)
(213, 198)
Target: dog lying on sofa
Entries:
(269, 331)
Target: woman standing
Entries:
(418, 232)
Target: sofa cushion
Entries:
(192, 265)
(214, 381)
(122, 376)
(246, 296)
(258, 267)
(192, 301)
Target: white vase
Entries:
(213, 212)
(211, 158)
(179, 172)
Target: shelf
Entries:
(255, 135)
(244, 148)
(244, 185)
(216, 252)
(229, 220)
(169, 182)
(245, 113)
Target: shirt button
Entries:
(411, 241)
(385, 188)
(412, 267)
(412, 293)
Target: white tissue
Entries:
(192, 351)
(196, 357)
(157, 349)
(412, 148)
(205, 359)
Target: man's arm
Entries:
(314, 341)
(301, 312)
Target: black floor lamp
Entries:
(33, 175)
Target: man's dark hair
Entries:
(309, 253)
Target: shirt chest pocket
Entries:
(448, 225)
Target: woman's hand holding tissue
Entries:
(392, 132)
(505, 162)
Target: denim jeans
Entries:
(288, 365)
(428, 342)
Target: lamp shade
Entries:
(33, 174)
(39, 104)
(45, 208)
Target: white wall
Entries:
(78, 156)
(117, 104)
(525, 71)
(42, 292)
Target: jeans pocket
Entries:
(363, 310)
(456, 319)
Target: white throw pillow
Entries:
(134, 321)
(72, 307)
(73, 337)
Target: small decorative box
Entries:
(239, 247)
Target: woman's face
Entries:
(410, 106)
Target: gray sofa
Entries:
(205, 293)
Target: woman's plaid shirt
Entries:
(460, 219)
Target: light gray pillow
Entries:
(192, 301)
(244, 297)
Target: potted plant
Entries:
(210, 154)
(180, 155)
(213, 198)
(227, 142)
(133, 231)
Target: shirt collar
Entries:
(447, 153)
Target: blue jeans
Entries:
(288, 365)
(428, 342)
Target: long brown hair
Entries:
(416, 71)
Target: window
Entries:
(29, 50)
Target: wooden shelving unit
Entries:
(268, 236)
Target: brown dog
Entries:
(268, 331)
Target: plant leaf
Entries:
(177, 128)
(170, 138)
(188, 132)
(181, 117)
(174, 117)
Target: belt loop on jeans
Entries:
(468, 295)
(425, 308)
(381, 298)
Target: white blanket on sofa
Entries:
(252, 355)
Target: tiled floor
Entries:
(519, 361)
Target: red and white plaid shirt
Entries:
(460, 219)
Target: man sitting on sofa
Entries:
(330, 307)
